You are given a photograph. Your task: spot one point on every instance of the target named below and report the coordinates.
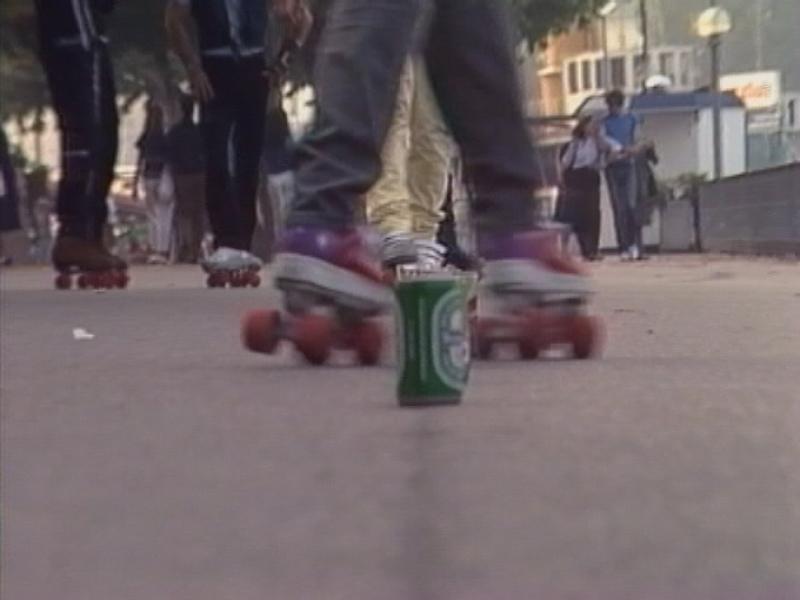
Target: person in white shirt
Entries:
(581, 161)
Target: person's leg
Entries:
(474, 76)
(69, 75)
(106, 126)
(387, 202)
(593, 217)
(248, 143)
(72, 83)
(361, 56)
(217, 118)
(616, 177)
(429, 157)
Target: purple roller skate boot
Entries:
(531, 263)
(330, 267)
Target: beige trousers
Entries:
(416, 158)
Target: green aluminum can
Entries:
(433, 341)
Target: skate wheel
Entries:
(120, 279)
(104, 281)
(254, 280)
(313, 338)
(85, 281)
(215, 280)
(587, 337)
(528, 342)
(368, 343)
(260, 331)
(481, 340)
(63, 281)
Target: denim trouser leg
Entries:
(360, 58)
(473, 73)
(621, 190)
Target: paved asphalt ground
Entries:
(159, 461)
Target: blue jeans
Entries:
(621, 178)
(472, 69)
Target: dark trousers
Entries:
(84, 98)
(621, 178)
(583, 208)
(473, 72)
(189, 215)
(233, 129)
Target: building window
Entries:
(586, 75)
(791, 114)
(572, 76)
(666, 65)
(599, 76)
(618, 78)
(685, 73)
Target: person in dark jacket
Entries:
(9, 195)
(186, 160)
(74, 52)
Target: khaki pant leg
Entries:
(387, 203)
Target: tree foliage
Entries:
(142, 61)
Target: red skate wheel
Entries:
(254, 280)
(482, 340)
(123, 279)
(313, 338)
(63, 281)
(260, 331)
(85, 280)
(528, 343)
(104, 281)
(587, 336)
(368, 343)
(215, 280)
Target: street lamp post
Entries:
(712, 24)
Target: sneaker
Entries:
(333, 265)
(532, 263)
(398, 249)
(430, 254)
(635, 253)
(224, 259)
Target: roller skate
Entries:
(86, 265)
(119, 268)
(332, 291)
(539, 295)
(233, 268)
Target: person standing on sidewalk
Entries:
(74, 52)
(186, 161)
(468, 53)
(226, 70)
(621, 126)
(580, 166)
(9, 197)
(405, 204)
(157, 182)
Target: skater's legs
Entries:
(105, 140)
(248, 142)
(387, 202)
(428, 158)
(474, 75)
(217, 120)
(361, 56)
(69, 75)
